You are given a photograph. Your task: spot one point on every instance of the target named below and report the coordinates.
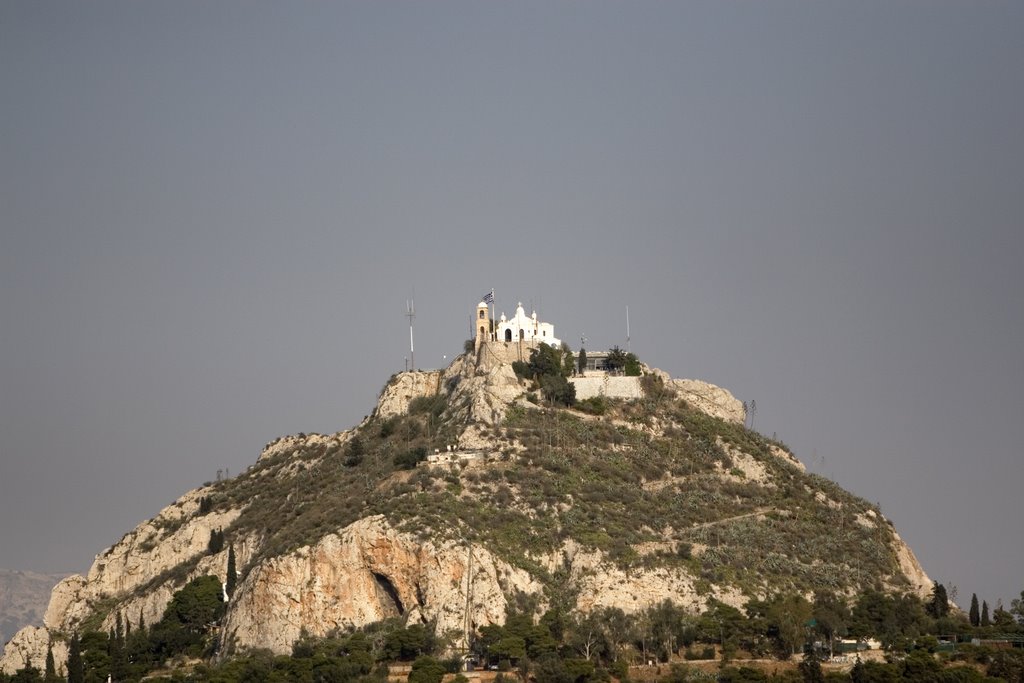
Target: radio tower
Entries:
(410, 312)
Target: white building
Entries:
(522, 327)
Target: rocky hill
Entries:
(463, 489)
(23, 598)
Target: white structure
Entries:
(521, 327)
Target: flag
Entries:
(489, 297)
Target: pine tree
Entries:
(76, 667)
(232, 572)
(984, 614)
(975, 615)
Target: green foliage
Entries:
(216, 543)
(616, 359)
(355, 449)
(558, 390)
(76, 667)
(407, 460)
(232, 573)
(938, 606)
(427, 670)
(595, 405)
(406, 644)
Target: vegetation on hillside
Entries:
(559, 646)
(650, 484)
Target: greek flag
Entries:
(489, 297)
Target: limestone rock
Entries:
(29, 646)
(403, 388)
(366, 572)
(710, 399)
(911, 568)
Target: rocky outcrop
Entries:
(29, 646)
(362, 574)
(23, 597)
(403, 388)
(921, 585)
(708, 398)
(176, 536)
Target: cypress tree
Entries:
(50, 673)
(984, 614)
(975, 615)
(232, 572)
(76, 667)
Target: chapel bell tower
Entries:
(482, 324)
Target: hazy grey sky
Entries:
(212, 214)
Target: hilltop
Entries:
(466, 488)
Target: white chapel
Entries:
(520, 327)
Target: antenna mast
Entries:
(410, 312)
(627, 329)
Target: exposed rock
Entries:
(29, 646)
(911, 568)
(708, 398)
(23, 597)
(370, 569)
(403, 388)
(367, 572)
(297, 443)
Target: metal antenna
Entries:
(410, 312)
(627, 329)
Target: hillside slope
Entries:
(662, 496)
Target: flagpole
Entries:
(491, 324)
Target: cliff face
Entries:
(331, 532)
(23, 597)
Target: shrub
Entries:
(410, 458)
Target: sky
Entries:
(212, 216)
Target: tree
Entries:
(558, 389)
(831, 616)
(216, 543)
(938, 606)
(426, 670)
(975, 615)
(76, 668)
(29, 674)
(1017, 608)
(581, 366)
(354, 452)
(616, 359)
(232, 572)
(50, 672)
(810, 667)
(984, 621)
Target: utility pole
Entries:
(410, 312)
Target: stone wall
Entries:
(612, 387)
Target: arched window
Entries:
(508, 335)
(482, 332)
(482, 311)
(521, 334)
